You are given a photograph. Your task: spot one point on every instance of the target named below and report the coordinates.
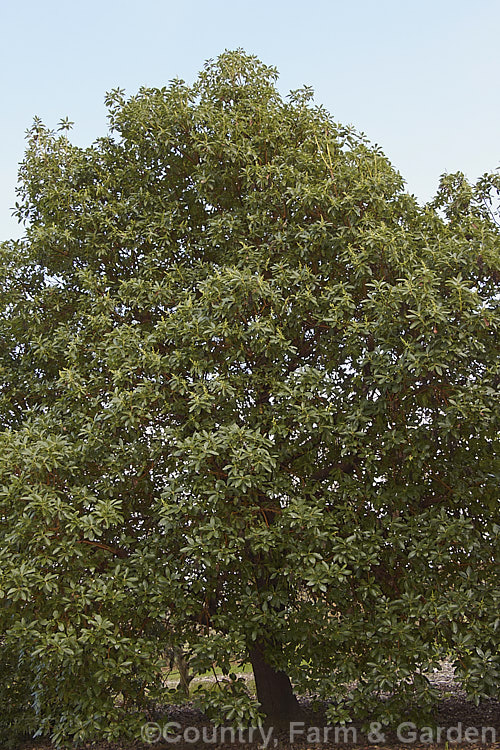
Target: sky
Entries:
(421, 79)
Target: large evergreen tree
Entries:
(248, 404)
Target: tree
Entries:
(248, 407)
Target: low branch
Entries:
(114, 551)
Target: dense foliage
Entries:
(248, 408)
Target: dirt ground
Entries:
(462, 725)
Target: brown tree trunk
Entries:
(274, 689)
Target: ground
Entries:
(455, 715)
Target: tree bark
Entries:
(274, 689)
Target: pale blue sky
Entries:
(422, 79)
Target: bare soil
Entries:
(455, 715)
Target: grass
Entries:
(207, 678)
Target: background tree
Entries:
(249, 404)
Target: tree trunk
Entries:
(184, 675)
(274, 689)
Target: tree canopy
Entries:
(248, 408)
